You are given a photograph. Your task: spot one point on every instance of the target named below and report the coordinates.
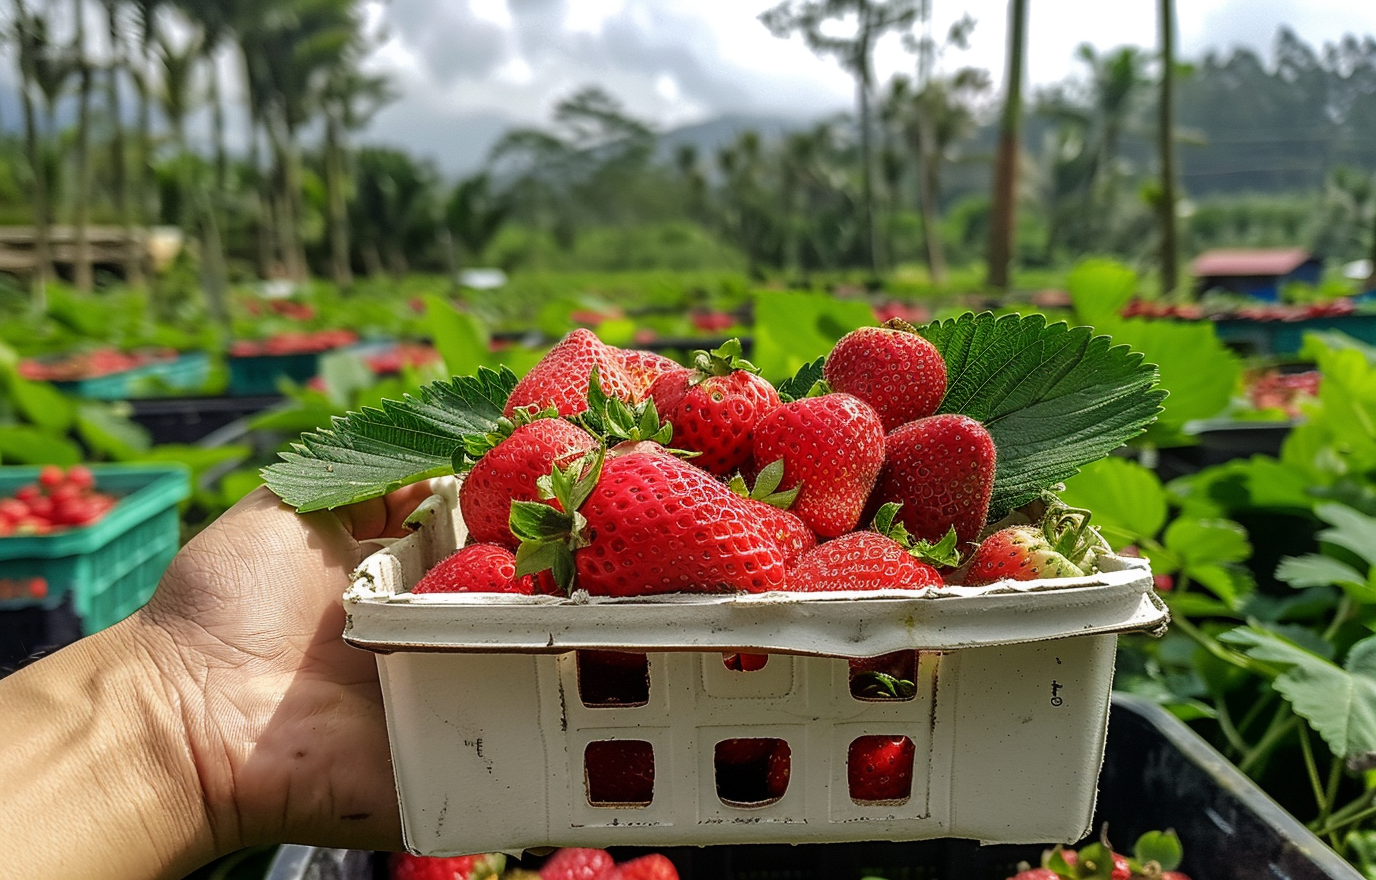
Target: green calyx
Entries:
(942, 554)
(721, 361)
(882, 686)
(550, 536)
(1067, 532)
(611, 419)
(475, 446)
(766, 487)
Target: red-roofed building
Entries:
(1256, 272)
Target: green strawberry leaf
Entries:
(369, 453)
(1339, 702)
(1053, 397)
(882, 685)
(802, 382)
(1162, 847)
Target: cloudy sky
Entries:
(466, 69)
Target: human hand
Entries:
(228, 712)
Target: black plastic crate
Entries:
(26, 633)
(1157, 774)
(192, 419)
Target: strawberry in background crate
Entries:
(59, 499)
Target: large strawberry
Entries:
(880, 768)
(517, 454)
(941, 469)
(644, 368)
(715, 406)
(891, 368)
(644, 522)
(833, 446)
(562, 376)
(751, 770)
(481, 568)
(883, 559)
(404, 866)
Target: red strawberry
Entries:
(508, 471)
(613, 678)
(715, 406)
(833, 445)
(561, 378)
(880, 768)
(620, 771)
(883, 559)
(654, 866)
(891, 368)
(744, 662)
(861, 561)
(477, 568)
(941, 469)
(577, 863)
(649, 523)
(771, 506)
(643, 368)
(404, 866)
(778, 770)
(1018, 553)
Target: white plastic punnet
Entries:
(489, 728)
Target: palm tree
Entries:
(82, 269)
(1003, 205)
(933, 118)
(349, 99)
(474, 214)
(31, 37)
(133, 250)
(873, 19)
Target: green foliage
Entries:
(793, 329)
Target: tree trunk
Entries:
(862, 85)
(134, 250)
(1003, 204)
(296, 204)
(1170, 256)
(339, 210)
(42, 249)
(82, 270)
(929, 162)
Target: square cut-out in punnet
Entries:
(886, 677)
(879, 769)
(751, 771)
(619, 773)
(613, 678)
(742, 661)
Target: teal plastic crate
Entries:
(109, 568)
(261, 373)
(187, 372)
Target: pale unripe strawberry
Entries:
(1019, 553)
(893, 369)
(561, 378)
(833, 445)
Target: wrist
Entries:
(96, 763)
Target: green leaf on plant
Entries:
(1054, 398)
(108, 433)
(1198, 542)
(1128, 500)
(42, 404)
(1099, 289)
(22, 444)
(369, 453)
(1350, 529)
(793, 329)
(459, 337)
(1162, 847)
(1315, 570)
(1338, 702)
